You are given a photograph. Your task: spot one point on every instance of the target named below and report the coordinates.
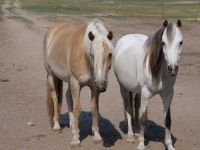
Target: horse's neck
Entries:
(80, 63)
(157, 84)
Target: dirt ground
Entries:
(23, 90)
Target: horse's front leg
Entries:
(69, 104)
(145, 95)
(167, 99)
(75, 91)
(95, 113)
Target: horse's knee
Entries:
(54, 96)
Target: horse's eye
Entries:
(110, 55)
(163, 43)
(181, 43)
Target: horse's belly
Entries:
(130, 85)
(126, 76)
(128, 61)
(60, 72)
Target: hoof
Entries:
(97, 139)
(170, 147)
(56, 126)
(75, 143)
(141, 146)
(137, 134)
(130, 139)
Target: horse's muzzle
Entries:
(101, 86)
(173, 71)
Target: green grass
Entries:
(118, 8)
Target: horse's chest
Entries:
(154, 87)
(162, 85)
(82, 74)
(84, 79)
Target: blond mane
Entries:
(97, 27)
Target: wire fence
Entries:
(188, 9)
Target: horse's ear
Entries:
(179, 24)
(165, 23)
(91, 36)
(110, 35)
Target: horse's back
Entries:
(128, 60)
(57, 46)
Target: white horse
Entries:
(148, 66)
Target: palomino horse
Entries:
(148, 66)
(79, 54)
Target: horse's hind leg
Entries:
(127, 99)
(54, 99)
(70, 105)
(137, 107)
(95, 113)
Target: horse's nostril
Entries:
(176, 67)
(170, 68)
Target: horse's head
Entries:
(100, 53)
(172, 41)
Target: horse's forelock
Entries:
(170, 33)
(154, 53)
(97, 27)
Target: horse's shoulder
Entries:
(78, 36)
(60, 29)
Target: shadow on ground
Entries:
(153, 132)
(107, 130)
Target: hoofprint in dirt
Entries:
(23, 94)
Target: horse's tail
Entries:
(50, 105)
(58, 87)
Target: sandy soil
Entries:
(23, 93)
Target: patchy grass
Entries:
(153, 8)
(29, 24)
(12, 10)
(1, 14)
(1, 2)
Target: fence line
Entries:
(188, 9)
